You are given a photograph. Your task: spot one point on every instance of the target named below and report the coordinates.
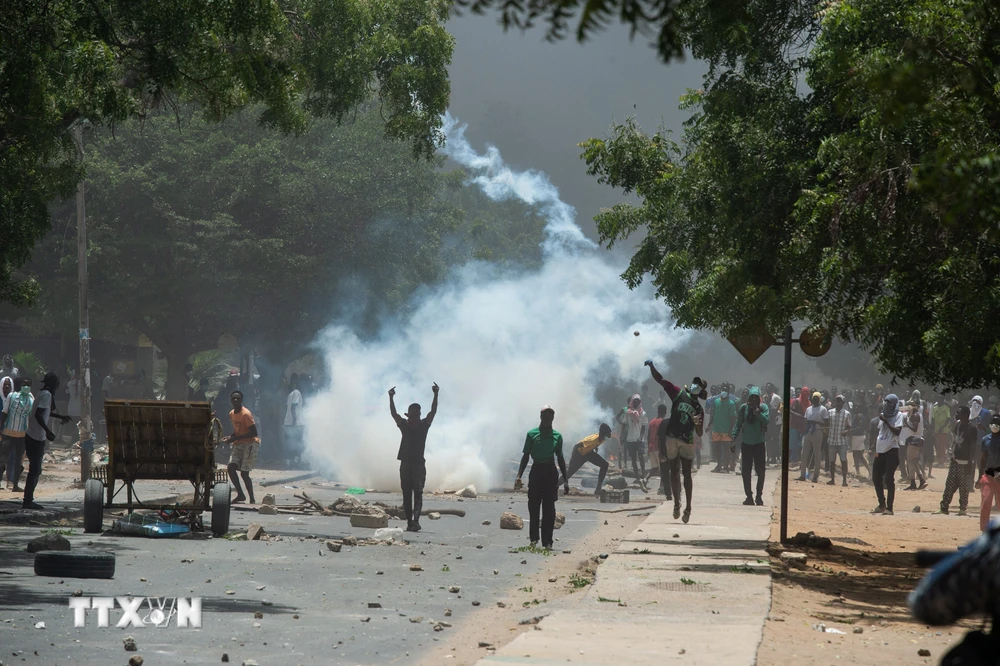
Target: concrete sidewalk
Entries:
(692, 594)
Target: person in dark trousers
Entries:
(676, 440)
(752, 419)
(412, 465)
(634, 422)
(585, 451)
(887, 454)
(656, 463)
(543, 445)
(38, 433)
(963, 462)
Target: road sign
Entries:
(814, 341)
(752, 346)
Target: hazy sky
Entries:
(536, 101)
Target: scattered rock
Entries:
(257, 615)
(416, 567)
(484, 644)
(916, 509)
(349, 541)
(496, 572)
(447, 612)
(417, 620)
(255, 625)
(225, 658)
(560, 519)
(333, 546)
(434, 515)
(230, 592)
(475, 603)
(618, 483)
(501, 604)
(268, 499)
(48, 542)
(790, 559)
(135, 660)
(366, 619)
(455, 589)
(77, 593)
(486, 522)
(511, 521)
(374, 521)
(859, 630)
(255, 532)
(267, 510)
(567, 552)
(39, 625)
(374, 604)
(532, 620)
(923, 652)
(468, 491)
(250, 662)
(822, 543)
(389, 534)
(347, 504)
(129, 643)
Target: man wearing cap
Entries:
(543, 445)
(676, 440)
(586, 451)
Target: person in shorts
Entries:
(246, 444)
(676, 440)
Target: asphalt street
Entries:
(315, 603)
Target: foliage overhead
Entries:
(840, 167)
(108, 61)
(231, 228)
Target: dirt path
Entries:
(860, 585)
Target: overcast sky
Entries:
(536, 100)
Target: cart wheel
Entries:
(220, 509)
(75, 564)
(93, 506)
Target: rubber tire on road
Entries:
(75, 564)
(93, 506)
(220, 508)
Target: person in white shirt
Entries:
(817, 419)
(293, 419)
(634, 422)
(912, 437)
(887, 454)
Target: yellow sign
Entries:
(752, 346)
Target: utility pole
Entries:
(86, 424)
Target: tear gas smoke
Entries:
(500, 344)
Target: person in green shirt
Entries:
(723, 415)
(752, 419)
(543, 446)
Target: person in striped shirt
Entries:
(13, 425)
(839, 441)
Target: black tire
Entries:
(220, 508)
(93, 506)
(75, 564)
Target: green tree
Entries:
(864, 201)
(109, 61)
(212, 228)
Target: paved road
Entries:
(316, 599)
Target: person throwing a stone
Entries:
(676, 440)
(412, 465)
(585, 451)
(543, 446)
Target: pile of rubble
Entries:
(373, 515)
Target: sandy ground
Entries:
(861, 584)
(499, 625)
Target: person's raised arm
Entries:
(739, 423)
(671, 389)
(392, 404)
(434, 404)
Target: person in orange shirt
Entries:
(245, 443)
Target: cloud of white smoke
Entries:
(499, 344)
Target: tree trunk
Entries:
(177, 381)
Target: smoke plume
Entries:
(500, 344)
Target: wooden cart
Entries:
(157, 440)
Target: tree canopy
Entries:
(212, 228)
(109, 61)
(840, 167)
